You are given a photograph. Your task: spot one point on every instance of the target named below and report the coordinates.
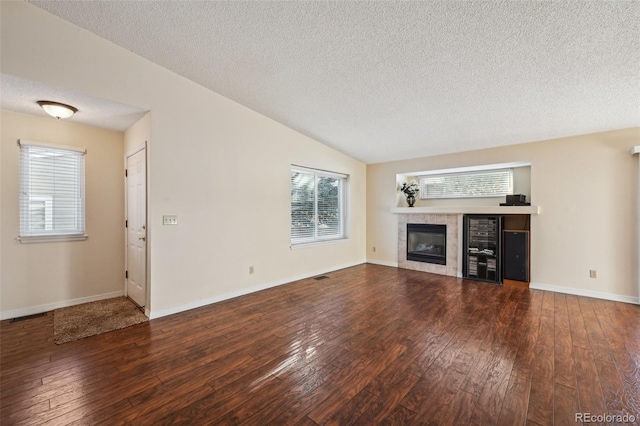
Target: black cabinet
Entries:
(516, 257)
(482, 247)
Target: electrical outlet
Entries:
(593, 273)
(250, 269)
(374, 249)
(169, 220)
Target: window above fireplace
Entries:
(489, 183)
(481, 185)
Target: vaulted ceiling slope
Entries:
(391, 80)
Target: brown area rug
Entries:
(89, 319)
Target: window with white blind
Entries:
(51, 192)
(318, 207)
(485, 183)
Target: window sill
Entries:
(318, 243)
(51, 238)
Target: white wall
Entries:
(42, 276)
(220, 167)
(587, 189)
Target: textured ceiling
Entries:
(384, 81)
(21, 95)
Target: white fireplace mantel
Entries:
(468, 210)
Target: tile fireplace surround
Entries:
(452, 221)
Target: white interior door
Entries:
(137, 227)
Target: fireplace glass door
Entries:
(427, 243)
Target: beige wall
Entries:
(587, 189)
(220, 167)
(43, 274)
(138, 135)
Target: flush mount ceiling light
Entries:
(57, 110)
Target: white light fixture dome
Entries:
(57, 110)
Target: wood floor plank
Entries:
(598, 340)
(541, 397)
(475, 379)
(524, 360)
(516, 402)
(389, 393)
(217, 404)
(560, 311)
(566, 405)
(588, 381)
(460, 409)
(100, 416)
(26, 414)
(152, 407)
(50, 391)
(353, 382)
(297, 389)
(368, 345)
(298, 409)
(399, 417)
(615, 395)
(281, 393)
(351, 412)
(579, 336)
(306, 421)
(72, 407)
(546, 333)
(564, 363)
(490, 399)
(628, 368)
(432, 395)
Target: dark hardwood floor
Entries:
(369, 345)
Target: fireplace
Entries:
(427, 243)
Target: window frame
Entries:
(473, 170)
(26, 233)
(343, 207)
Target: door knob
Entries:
(142, 238)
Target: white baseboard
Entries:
(383, 263)
(242, 292)
(586, 293)
(16, 313)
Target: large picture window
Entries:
(51, 192)
(317, 205)
(486, 183)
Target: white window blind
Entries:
(487, 183)
(317, 205)
(51, 191)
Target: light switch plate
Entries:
(169, 220)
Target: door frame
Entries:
(136, 150)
